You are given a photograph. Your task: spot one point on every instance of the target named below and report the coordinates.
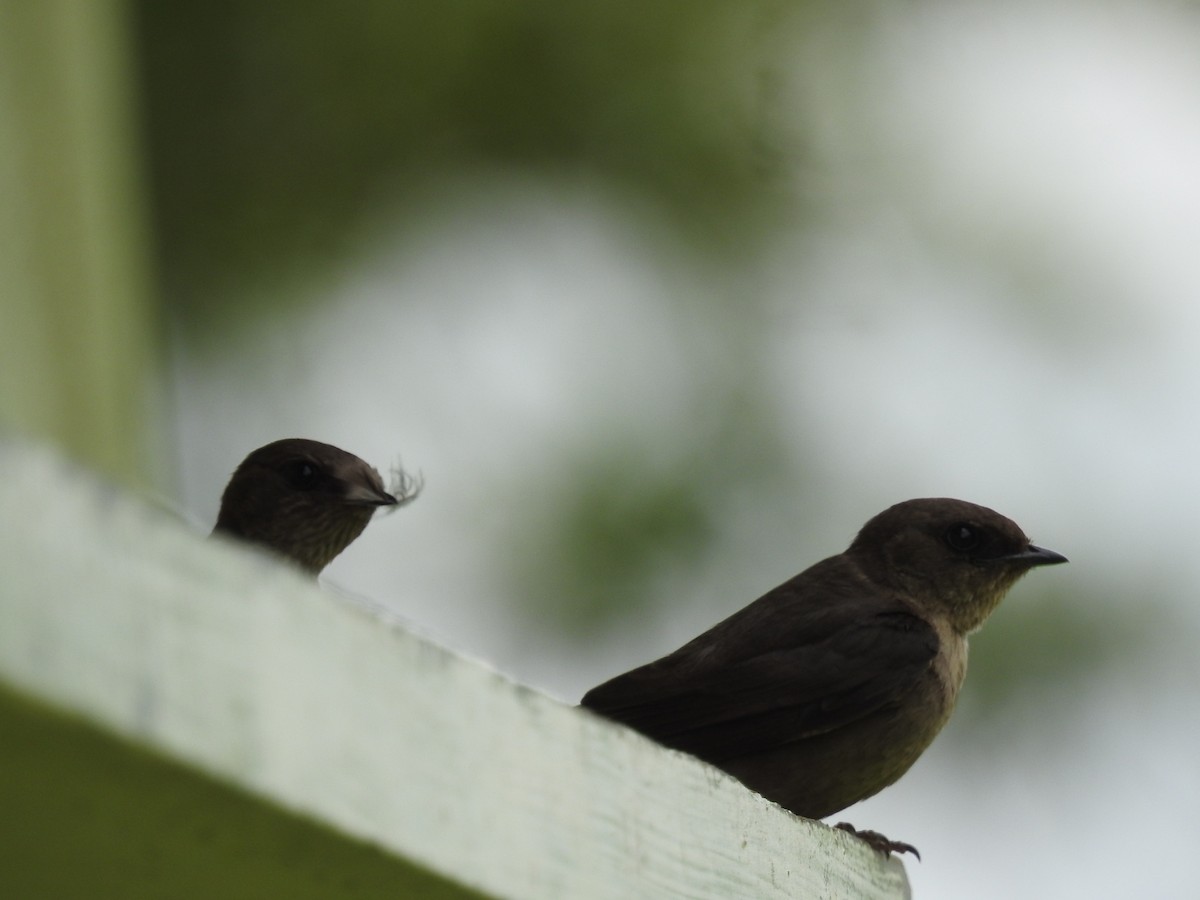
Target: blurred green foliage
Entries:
(615, 529)
(1042, 642)
(633, 510)
(280, 135)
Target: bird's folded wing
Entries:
(735, 708)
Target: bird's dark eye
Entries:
(301, 474)
(963, 537)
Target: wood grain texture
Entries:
(230, 662)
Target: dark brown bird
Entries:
(303, 500)
(826, 689)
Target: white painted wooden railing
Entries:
(229, 662)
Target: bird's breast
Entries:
(950, 665)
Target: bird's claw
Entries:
(878, 841)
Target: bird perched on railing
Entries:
(826, 689)
(305, 501)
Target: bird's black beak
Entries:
(368, 495)
(1037, 556)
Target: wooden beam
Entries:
(330, 707)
